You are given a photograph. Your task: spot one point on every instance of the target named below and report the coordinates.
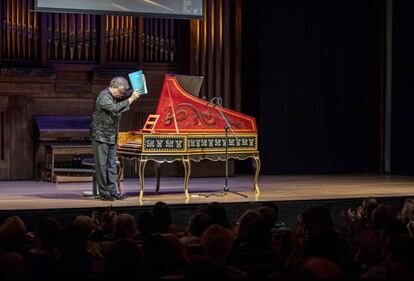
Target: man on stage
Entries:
(109, 105)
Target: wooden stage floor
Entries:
(25, 195)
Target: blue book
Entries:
(137, 83)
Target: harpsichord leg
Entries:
(256, 175)
(187, 172)
(157, 167)
(141, 171)
(120, 173)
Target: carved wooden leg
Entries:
(142, 162)
(187, 172)
(256, 163)
(120, 173)
(157, 167)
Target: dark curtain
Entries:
(402, 137)
(313, 78)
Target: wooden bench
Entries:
(51, 153)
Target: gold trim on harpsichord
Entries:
(161, 160)
(184, 143)
(187, 143)
(216, 157)
(245, 146)
(165, 143)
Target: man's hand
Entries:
(135, 95)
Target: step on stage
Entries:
(291, 193)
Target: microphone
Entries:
(212, 102)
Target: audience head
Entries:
(124, 227)
(72, 241)
(322, 242)
(86, 224)
(269, 216)
(259, 235)
(217, 214)
(47, 232)
(162, 217)
(399, 259)
(400, 247)
(199, 223)
(393, 226)
(13, 267)
(145, 223)
(407, 211)
(316, 217)
(161, 255)
(273, 206)
(124, 260)
(243, 224)
(380, 216)
(318, 237)
(217, 242)
(13, 234)
(368, 206)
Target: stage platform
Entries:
(291, 193)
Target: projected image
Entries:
(159, 7)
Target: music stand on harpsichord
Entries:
(217, 102)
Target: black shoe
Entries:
(105, 198)
(118, 196)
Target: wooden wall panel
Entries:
(5, 160)
(62, 106)
(21, 138)
(71, 89)
(19, 88)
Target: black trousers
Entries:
(104, 155)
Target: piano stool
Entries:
(89, 162)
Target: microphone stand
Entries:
(227, 127)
